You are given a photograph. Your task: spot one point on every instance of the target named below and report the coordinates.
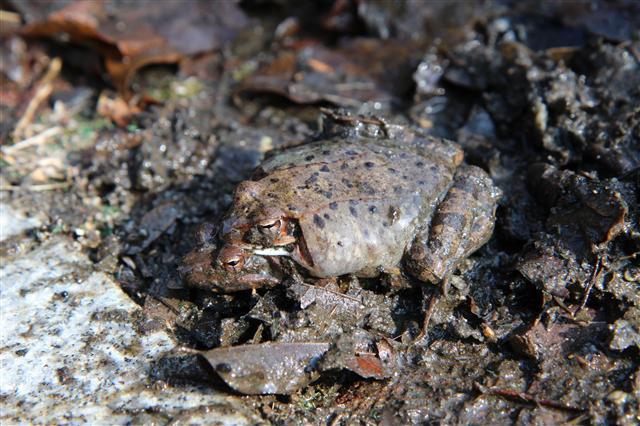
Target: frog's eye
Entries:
(231, 259)
(234, 263)
(270, 225)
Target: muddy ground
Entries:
(124, 134)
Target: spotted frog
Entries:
(368, 199)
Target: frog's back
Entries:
(357, 203)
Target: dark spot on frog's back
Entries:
(353, 211)
(373, 209)
(368, 189)
(333, 205)
(318, 221)
(223, 367)
(324, 168)
(309, 157)
(369, 165)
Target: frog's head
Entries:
(228, 269)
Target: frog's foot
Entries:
(462, 223)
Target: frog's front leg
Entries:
(461, 224)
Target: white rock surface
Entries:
(70, 353)
(12, 222)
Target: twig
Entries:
(42, 93)
(38, 139)
(9, 17)
(562, 305)
(592, 281)
(629, 257)
(36, 188)
(527, 399)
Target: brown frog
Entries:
(366, 200)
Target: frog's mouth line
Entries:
(300, 253)
(272, 251)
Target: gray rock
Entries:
(71, 350)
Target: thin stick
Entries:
(36, 188)
(9, 17)
(42, 93)
(38, 139)
(528, 399)
(592, 281)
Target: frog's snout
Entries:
(227, 269)
(195, 267)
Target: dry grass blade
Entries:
(43, 92)
(35, 140)
(36, 188)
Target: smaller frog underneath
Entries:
(370, 198)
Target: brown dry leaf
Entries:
(267, 368)
(551, 344)
(117, 109)
(135, 34)
(594, 207)
(155, 223)
(358, 71)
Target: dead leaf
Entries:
(267, 368)
(135, 34)
(358, 71)
(117, 109)
(155, 223)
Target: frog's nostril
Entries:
(206, 233)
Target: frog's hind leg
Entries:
(461, 224)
